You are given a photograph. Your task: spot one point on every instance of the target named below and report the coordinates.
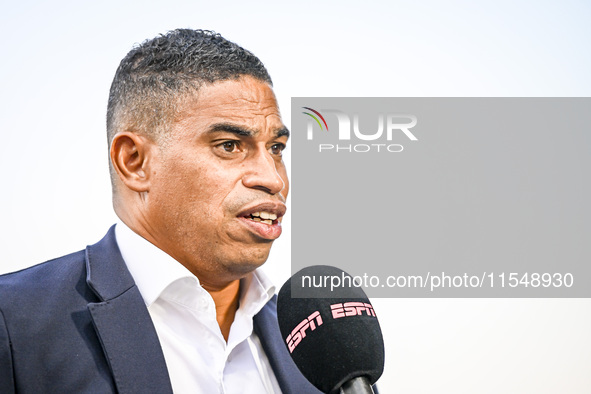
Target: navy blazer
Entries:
(79, 324)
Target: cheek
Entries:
(183, 187)
(204, 193)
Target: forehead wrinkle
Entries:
(233, 109)
(246, 109)
(248, 112)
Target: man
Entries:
(171, 298)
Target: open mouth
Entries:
(263, 217)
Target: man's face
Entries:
(218, 185)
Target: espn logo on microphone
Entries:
(312, 322)
(351, 309)
(299, 332)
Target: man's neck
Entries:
(226, 301)
(225, 296)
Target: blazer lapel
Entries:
(122, 322)
(288, 375)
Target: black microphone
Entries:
(334, 338)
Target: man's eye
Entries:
(277, 149)
(230, 146)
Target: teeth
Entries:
(267, 221)
(255, 219)
(264, 215)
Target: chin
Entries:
(246, 263)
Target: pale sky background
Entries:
(58, 60)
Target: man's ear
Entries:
(131, 157)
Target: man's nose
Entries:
(262, 173)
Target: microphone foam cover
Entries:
(331, 339)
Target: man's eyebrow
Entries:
(243, 131)
(231, 128)
(284, 132)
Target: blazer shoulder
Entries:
(46, 326)
(42, 280)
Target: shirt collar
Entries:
(256, 290)
(153, 270)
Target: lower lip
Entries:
(265, 231)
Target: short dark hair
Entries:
(154, 76)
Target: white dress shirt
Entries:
(197, 356)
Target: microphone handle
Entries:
(359, 385)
